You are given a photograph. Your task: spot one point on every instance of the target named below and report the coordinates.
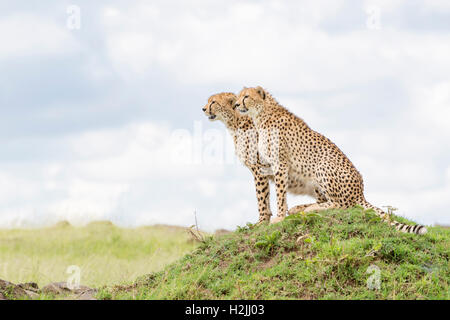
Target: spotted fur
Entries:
(294, 150)
(245, 136)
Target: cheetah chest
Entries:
(246, 147)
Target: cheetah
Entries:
(221, 107)
(292, 148)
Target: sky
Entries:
(101, 104)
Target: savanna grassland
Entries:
(105, 253)
(335, 254)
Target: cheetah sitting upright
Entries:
(222, 107)
(290, 147)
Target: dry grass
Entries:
(105, 253)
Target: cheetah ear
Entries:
(231, 101)
(261, 92)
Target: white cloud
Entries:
(87, 200)
(119, 174)
(207, 187)
(32, 35)
(148, 172)
(13, 188)
(432, 107)
(257, 43)
(428, 206)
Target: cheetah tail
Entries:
(417, 229)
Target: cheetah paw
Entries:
(260, 222)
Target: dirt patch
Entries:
(221, 232)
(30, 290)
(267, 264)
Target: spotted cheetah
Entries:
(221, 107)
(290, 147)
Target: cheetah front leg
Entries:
(262, 194)
(281, 182)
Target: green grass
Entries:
(106, 254)
(331, 255)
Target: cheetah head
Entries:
(250, 101)
(220, 107)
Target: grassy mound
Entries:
(337, 254)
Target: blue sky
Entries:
(104, 121)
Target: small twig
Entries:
(195, 216)
(301, 238)
(196, 234)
